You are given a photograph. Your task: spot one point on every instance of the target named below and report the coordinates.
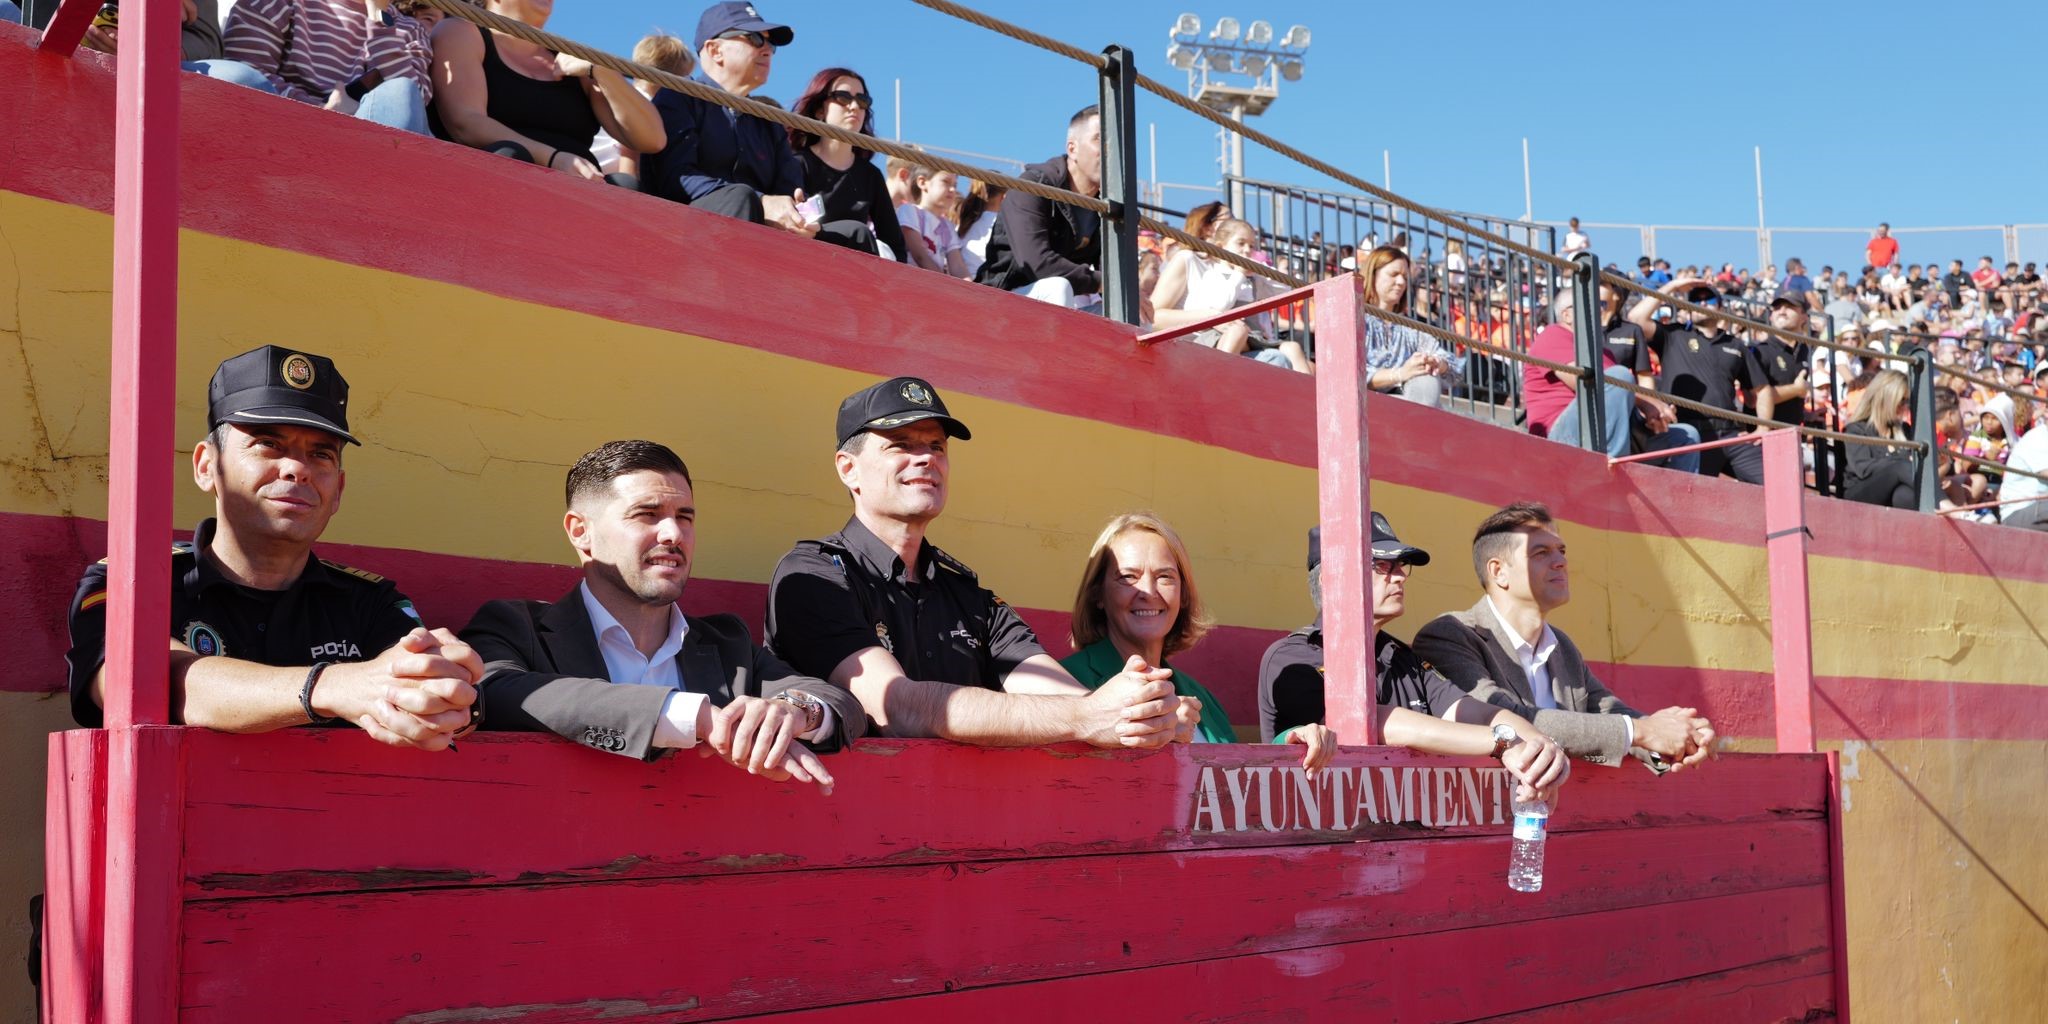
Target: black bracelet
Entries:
(306, 693)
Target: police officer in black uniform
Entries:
(1780, 369)
(264, 634)
(1414, 699)
(878, 610)
(1710, 365)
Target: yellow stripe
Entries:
(472, 407)
(93, 601)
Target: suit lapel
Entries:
(570, 640)
(1504, 646)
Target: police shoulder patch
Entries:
(362, 574)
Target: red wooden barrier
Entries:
(528, 879)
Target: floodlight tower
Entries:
(1217, 66)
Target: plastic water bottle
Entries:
(1525, 863)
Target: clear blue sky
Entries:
(1854, 127)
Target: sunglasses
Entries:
(860, 100)
(1389, 567)
(753, 39)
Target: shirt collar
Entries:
(205, 572)
(1536, 654)
(607, 627)
(880, 558)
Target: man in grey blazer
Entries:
(1497, 648)
(616, 665)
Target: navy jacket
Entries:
(710, 147)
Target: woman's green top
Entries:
(1098, 662)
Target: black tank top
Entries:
(556, 113)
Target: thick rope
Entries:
(486, 20)
(1617, 281)
(1210, 250)
(1022, 35)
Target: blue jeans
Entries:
(9, 12)
(231, 71)
(1618, 403)
(397, 103)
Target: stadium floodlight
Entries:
(1221, 61)
(1296, 38)
(1181, 57)
(1253, 64)
(1187, 25)
(1225, 31)
(1290, 69)
(1259, 33)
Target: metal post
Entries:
(1343, 480)
(1236, 142)
(142, 899)
(1791, 618)
(1592, 389)
(1120, 298)
(1923, 428)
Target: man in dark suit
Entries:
(716, 159)
(1504, 651)
(617, 666)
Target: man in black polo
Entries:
(264, 634)
(1707, 364)
(877, 610)
(1045, 249)
(1417, 707)
(1780, 369)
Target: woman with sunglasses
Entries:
(518, 99)
(854, 199)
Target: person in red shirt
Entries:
(1883, 248)
(1550, 398)
(1987, 278)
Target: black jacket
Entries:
(543, 672)
(1037, 238)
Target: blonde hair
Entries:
(913, 171)
(664, 53)
(1880, 403)
(1090, 623)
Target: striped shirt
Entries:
(309, 48)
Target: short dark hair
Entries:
(596, 470)
(1491, 540)
(1081, 117)
(855, 444)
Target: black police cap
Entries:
(894, 403)
(279, 386)
(1384, 545)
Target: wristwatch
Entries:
(812, 707)
(1503, 738)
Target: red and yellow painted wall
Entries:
(496, 321)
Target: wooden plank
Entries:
(74, 853)
(139, 965)
(1791, 611)
(307, 810)
(930, 928)
(1443, 976)
(1796, 988)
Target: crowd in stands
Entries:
(406, 65)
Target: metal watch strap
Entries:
(812, 707)
(306, 693)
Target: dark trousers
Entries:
(1744, 462)
(849, 234)
(1890, 483)
(737, 201)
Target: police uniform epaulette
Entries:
(947, 561)
(362, 574)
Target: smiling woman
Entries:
(1138, 599)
